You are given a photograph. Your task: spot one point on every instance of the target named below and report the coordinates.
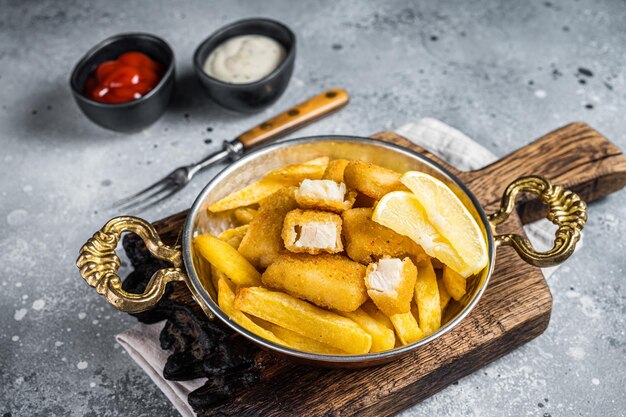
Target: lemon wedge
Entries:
(451, 219)
(402, 212)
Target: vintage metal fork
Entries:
(292, 119)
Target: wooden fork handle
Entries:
(296, 117)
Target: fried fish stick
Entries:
(368, 241)
(331, 281)
(372, 180)
(454, 282)
(390, 284)
(313, 232)
(407, 328)
(324, 195)
(263, 240)
(383, 338)
(304, 318)
(427, 298)
(226, 301)
(334, 170)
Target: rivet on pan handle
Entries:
(99, 264)
(565, 209)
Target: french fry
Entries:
(334, 170)
(444, 296)
(251, 194)
(297, 341)
(244, 215)
(407, 329)
(294, 174)
(283, 177)
(383, 338)
(454, 282)
(226, 301)
(234, 236)
(427, 298)
(216, 275)
(226, 258)
(372, 180)
(304, 318)
(205, 275)
(370, 308)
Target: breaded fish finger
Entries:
(263, 240)
(334, 170)
(367, 241)
(324, 195)
(390, 284)
(307, 231)
(372, 180)
(330, 281)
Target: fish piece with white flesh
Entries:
(313, 232)
(324, 195)
(390, 284)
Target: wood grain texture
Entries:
(514, 309)
(575, 156)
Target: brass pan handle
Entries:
(99, 264)
(565, 209)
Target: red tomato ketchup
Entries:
(129, 77)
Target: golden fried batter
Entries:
(324, 195)
(330, 281)
(372, 180)
(367, 241)
(312, 232)
(263, 240)
(334, 170)
(390, 284)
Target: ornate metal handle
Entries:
(565, 209)
(99, 264)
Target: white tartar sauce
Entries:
(244, 59)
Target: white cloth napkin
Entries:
(142, 341)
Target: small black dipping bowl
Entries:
(136, 114)
(253, 96)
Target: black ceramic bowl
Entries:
(253, 96)
(136, 114)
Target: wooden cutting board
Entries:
(514, 309)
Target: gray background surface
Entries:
(503, 72)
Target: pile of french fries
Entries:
(320, 299)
